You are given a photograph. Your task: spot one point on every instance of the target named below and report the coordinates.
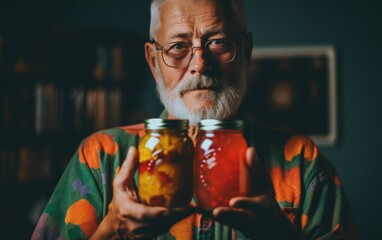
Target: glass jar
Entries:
(220, 172)
(166, 164)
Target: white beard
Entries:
(226, 99)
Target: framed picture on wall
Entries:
(294, 88)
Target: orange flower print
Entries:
(337, 181)
(304, 220)
(300, 144)
(89, 150)
(197, 219)
(287, 185)
(137, 129)
(82, 213)
(183, 229)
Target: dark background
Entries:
(353, 28)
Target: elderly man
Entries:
(198, 56)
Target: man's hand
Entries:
(258, 216)
(127, 218)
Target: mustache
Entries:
(199, 82)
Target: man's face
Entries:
(205, 88)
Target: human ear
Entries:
(150, 58)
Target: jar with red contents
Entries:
(220, 172)
(166, 156)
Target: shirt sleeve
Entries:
(80, 199)
(308, 189)
(325, 210)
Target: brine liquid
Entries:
(219, 168)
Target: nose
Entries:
(198, 64)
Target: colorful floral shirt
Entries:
(306, 185)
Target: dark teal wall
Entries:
(355, 31)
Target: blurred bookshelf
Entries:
(57, 86)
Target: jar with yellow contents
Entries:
(166, 164)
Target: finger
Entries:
(140, 230)
(248, 203)
(136, 231)
(147, 227)
(128, 168)
(253, 163)
(141, 212)
(179, 213)
(174, 216)
(250, 157)
(234, 217)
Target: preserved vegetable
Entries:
(166, 164)
(220, 172)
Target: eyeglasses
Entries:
(179, 54)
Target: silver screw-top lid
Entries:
(158, 123)
(213, 124)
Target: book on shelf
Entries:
(114, 103)
(75, 111)
(103, 108)
(24, 164)
(49, 108)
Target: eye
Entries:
(218, 42)
(220, 45)
(177, 46)
(177, 50)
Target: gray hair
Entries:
(236, 7)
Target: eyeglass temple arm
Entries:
(157, 47)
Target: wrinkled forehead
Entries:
(196, 18)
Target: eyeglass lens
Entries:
(179, 54)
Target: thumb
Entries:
(259, 178)
(126, 174)
(253, 163)
(250, 157)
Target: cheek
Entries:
(230, 72)
(171, 76)
(234, 70)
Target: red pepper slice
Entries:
(164, 177)
(158, 200)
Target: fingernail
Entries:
(129, 152)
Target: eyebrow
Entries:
(212, 32)
(207, 34)
(183, 35)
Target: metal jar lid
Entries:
(213, 124)
(158, 123)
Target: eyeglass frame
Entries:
(158, 47)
